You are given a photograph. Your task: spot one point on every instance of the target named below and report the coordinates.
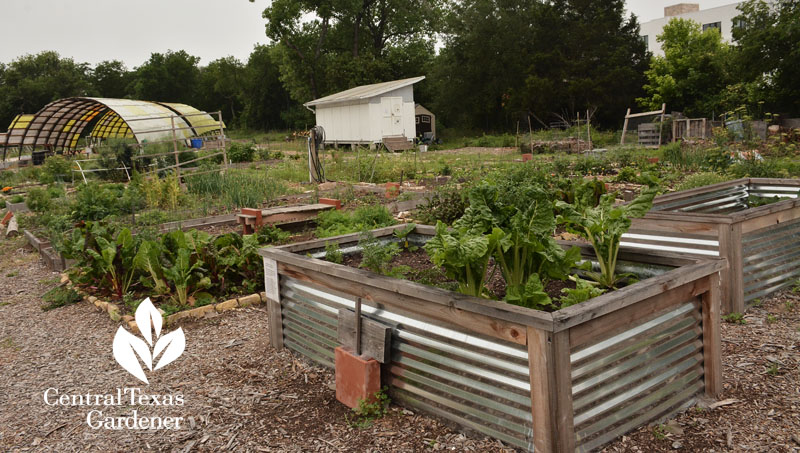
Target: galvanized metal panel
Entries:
(670, 242)
(771, 259)
(636, 376)
(730, 198)
(476, 381)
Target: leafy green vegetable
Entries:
(403, 233)
(603, 226)
(333, 253)
(377, 257)
(464, 255)
(531, 294)
(528, 249)
(581, 293)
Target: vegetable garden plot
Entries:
(753, 223)
(573, 379)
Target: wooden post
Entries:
(674, 130)
(661, 126)
(589, 130)
(222, 138)
(625, 127)
(736, 271)
(551, 390)
(175, 149)
(712, 354)
(272, 291)
(704, 128)
(530, 130)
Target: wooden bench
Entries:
(397, 143)
(252, 219)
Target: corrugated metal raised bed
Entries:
(572, 380)
(761, 244)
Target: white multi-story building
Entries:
(720, 17)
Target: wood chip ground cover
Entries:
(242, 396)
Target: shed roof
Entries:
(364, 91)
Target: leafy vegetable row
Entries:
(186, 268)
(518, 233)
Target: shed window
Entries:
(426, 119)
(417, 119)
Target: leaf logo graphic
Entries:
(129, 349)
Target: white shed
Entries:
(368, 113)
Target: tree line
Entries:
(249, 94)
(490, 64)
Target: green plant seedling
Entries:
(734, 318)
(773, 369)
(59, 297)
(659, 432)
(772, 319)
(333, 253)
(367, 412)
(403, 233)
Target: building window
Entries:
(426, 119)
(417, 118)
(646, 40)
(717, 25)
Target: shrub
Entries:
(335, 222)
(39, 200)
(94, 201)
(626, 174)
(700, 180)
(2, 204)
(447, 204)
(56, 168)
(116, 153)
(239, 152)
(16, 199)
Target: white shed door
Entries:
(392, 121)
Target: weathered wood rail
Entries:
(572, 380)
(761, 244)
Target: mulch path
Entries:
(242, 396)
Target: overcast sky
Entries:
(96, 30)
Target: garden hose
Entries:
(315, 170)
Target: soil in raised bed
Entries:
(425, 272)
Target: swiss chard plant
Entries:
(106, 256)
(603, 226)
(529, 256)
(464, 255)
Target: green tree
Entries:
(30, 82)
(267, 103)
(692, 74)
(220, 87)
(507, 59)
(167, 77)
(324, 46)
(110, 79)
(768, 55)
